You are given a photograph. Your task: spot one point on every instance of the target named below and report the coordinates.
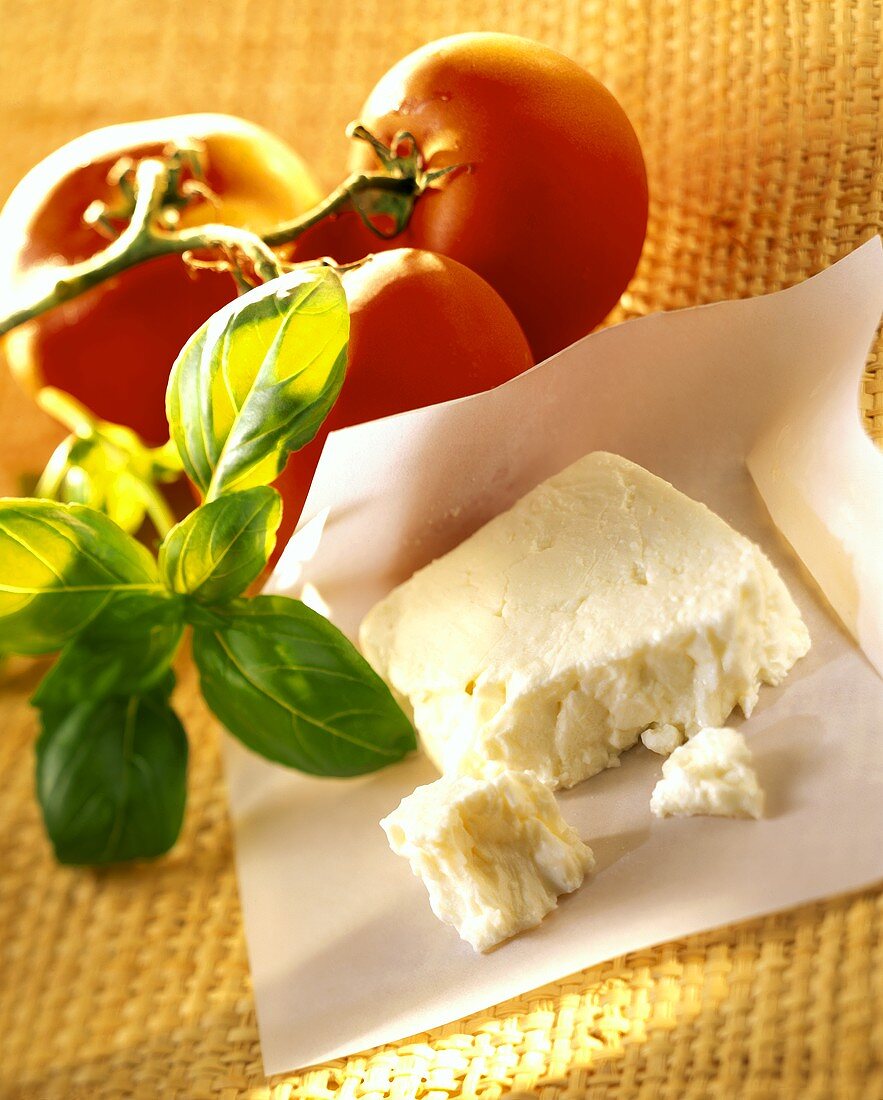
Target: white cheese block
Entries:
(603, 604)
(711, 774)
(494, 853)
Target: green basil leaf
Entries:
(219, 549)
(111, 777)
(107, 659)
(112, 473)
(257, 380)
(60, 565)
(135, 613)
(88, 471)
(292, 688)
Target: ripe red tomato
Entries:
(423, 329)
(113, 347)
(552, 210)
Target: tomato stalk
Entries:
(348, 194)
(154, 193)
(143, 239)
(391, 192)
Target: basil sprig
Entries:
(125, 650)
(60, 565)
(253, 384)
(291, 687)
(218, 550)
(111, 776)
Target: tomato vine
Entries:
(155, 190)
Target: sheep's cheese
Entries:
(494, 853)
(663, 739)
(605, 603)
(710, 774)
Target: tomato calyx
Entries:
(185, 182)
(387, 213)
(384, 200)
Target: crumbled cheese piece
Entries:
(602, 604)
(711, 774)
(494, 853)
(663, 739)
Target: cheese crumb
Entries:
(711, 774)
(494, 853)
(663, 739)
(603, 605)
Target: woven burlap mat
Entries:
(761, 123)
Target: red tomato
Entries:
(113, 347)
(552, 210)
(342, 237)
(423, 329)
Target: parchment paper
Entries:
(345, 953)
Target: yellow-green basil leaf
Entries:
(126, 650)
(111, 777)
(257, 380)
(92, 472)
(60, 565)
(292, 688)
(219, 549)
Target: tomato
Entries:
(113, 347)
(423, 329)
(552, 210)
(342, 237)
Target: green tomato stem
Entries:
(339, 199)
(153, 189)
(143, 239)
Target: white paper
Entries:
(345, 953)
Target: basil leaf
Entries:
(60, 565)
(292, 688)
(257, 380)
(107, 660)
(219, 549)
(110, 471)
(111, 776)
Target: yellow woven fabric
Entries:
(133, 982)
(761, 123)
